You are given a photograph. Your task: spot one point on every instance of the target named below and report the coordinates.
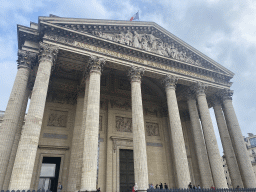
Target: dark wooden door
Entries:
(126, 170)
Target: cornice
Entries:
(136, 25)
(26, 33)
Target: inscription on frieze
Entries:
(123, 124)
(126, 57)
(54, 136)
(152, 129)
(57, 118)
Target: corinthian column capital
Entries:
(226, 94)
(47, 52)
(200, 88)
(135, 73)
(95, 64)
(170, 81)
(26, 58)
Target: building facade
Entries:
(114, 103)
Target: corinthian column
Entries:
(90, 153)
(243, 160)
(13, 110)
(139, 141)
(210, 139)
(227, 145)
(26, 153)
(16, 141)
(179, 150)
(201, 152)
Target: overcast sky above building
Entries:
(223, 30)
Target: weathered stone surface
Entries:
(244, 163)
(210, 139)
(201, 151)
(179, 150)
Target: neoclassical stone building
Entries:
(113, 103)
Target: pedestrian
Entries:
(98, 190)
(198, 187)
(190, 185)
(165, 186)
(161, 186)
(59, 187)
(156, 186)
(212, 187)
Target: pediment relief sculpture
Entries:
(149, 43)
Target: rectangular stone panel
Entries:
(55, 136)
(123, 124)
(57, 118)
(152, 129)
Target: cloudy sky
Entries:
(223, 30)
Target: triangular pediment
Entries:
(145, 36)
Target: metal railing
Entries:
(39, 190)
(202, 190)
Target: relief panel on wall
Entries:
(57, 118)
(123, 124)
(152, 129)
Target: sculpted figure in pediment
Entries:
(129, 38)
(148, 42)
(136, 40)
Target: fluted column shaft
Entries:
(90, 153)
(210, 140)
(26, 153)
(180, 155)
(16, 142)
(13, 110)
(139, 141)
(243, 160)
(201, 152)
(227, 146)
(75, 149)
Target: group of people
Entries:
(160, 186)
(190, 186)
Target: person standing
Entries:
(59, 187)
(165, 186)
(161, 186)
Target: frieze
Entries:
(150, 43)
(152, 129)
(120, 104)
(57, 118)
(125, 57)
(62, 97)
(123, 124)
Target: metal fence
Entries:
(26, 191)
(201, 190)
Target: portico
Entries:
(98, 87)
